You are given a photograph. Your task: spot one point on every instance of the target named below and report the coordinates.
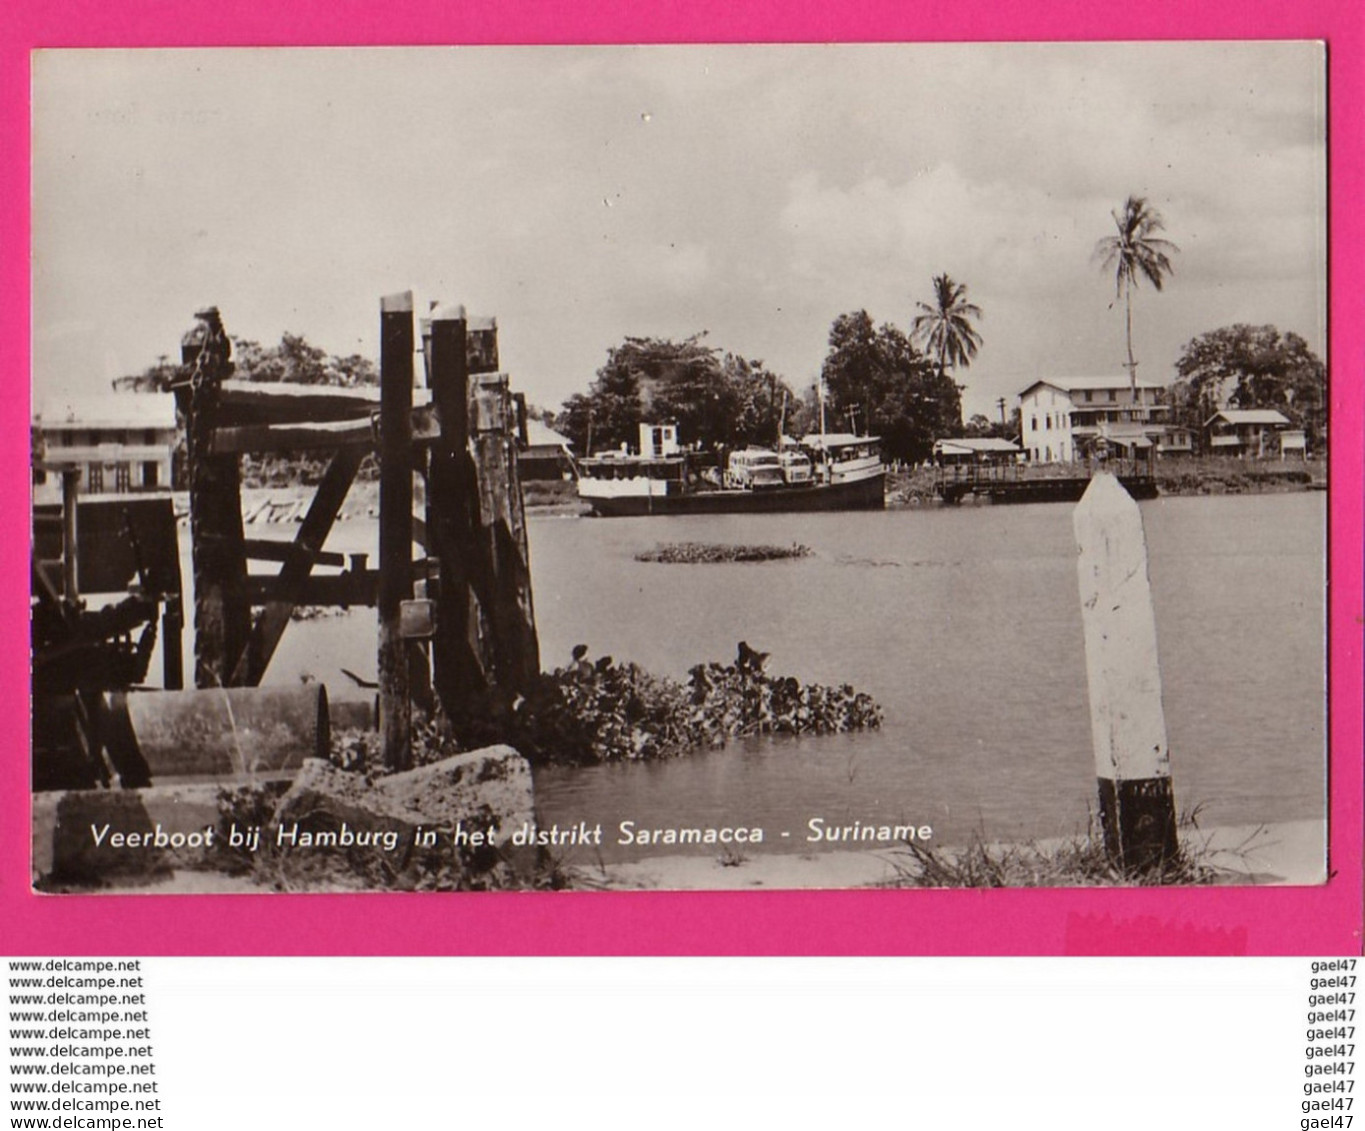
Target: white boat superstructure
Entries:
(842, 457)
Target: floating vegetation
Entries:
(708, 553)
(602, 711)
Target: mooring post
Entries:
(460, 674)
(395, 524)
(502, 527)
(222, 608)
(1128, 725)
(485, 651)
(70, 533)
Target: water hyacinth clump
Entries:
(710, 553)
(603, 711)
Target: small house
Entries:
(975, 450)
(1245, 432)
(547, 454)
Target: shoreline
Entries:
(1283, 853)
(1278, 854)
(1178, 477)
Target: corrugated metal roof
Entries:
(1104, 383)
(835, 439)
(107, 410)
(1081, 384)
(538, 434)
(1249, 416)
(976, 444)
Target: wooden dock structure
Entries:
(1024, 483)
(457, 621)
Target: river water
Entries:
(964, 624)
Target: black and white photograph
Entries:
(679, 468)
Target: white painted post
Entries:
(1128, 725)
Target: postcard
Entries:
(681, 468)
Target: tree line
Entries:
(877, 380)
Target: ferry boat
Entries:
(836, 471)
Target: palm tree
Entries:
(1135, 253)
(945, 327)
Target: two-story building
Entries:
(121, 442)
(1061, 419)
(1258, 433)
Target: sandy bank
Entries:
(1286, 853)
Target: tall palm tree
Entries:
(945, 327)
(1134, 253)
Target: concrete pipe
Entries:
(237, 733)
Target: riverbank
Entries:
(288, 504)
(1287, 853)
(1175, 476)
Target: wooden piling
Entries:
(460, 675)
(486, 650)
(70, 534)
(395, 524)
(502, 529)
(222, 610)
(1128, 724)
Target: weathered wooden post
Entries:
(502, 529)
(222, 609)
(70, 534)
(1132, 759)
(486, 650)
(458, 675)
(395, 524)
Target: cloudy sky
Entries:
(586, 194)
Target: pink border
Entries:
(1324, 920)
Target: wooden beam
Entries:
(395, 525)
(258, 402)
(269, 550)
(347, 590)
(289, 584)
(328, 435)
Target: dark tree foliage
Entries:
(982, 428)
(295, 361)
(879, 382)
(1245, 366)
(716, 401)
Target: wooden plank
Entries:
(328, 435)
(395, 525)
(289, 584)
(1128, 724)
(258, 402)
(268, 550)
(352, 589)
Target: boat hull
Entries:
(862, 494)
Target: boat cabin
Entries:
(842, 457)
